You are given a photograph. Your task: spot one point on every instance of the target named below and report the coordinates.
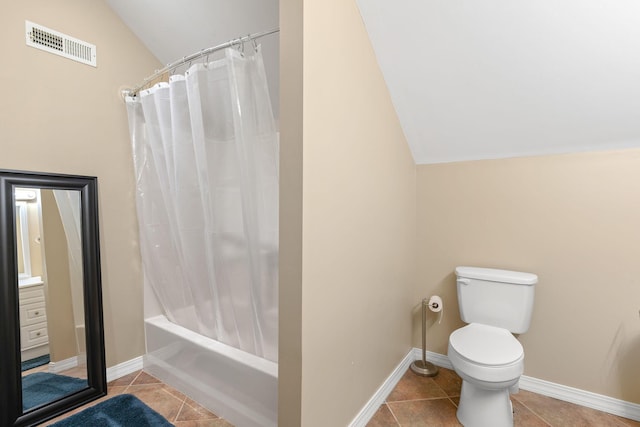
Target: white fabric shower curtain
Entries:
(206, 160)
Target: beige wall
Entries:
(290, 249)
(348, 209)
(57, 115)
(572, 219)
(358, 217)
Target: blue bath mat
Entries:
(124, 410)
(34, 363)
(43, 387)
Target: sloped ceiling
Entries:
(469, 79)
(172, 29)
(500, 78)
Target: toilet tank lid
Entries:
(495, 275)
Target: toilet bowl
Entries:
(490, 362)
(485, 354)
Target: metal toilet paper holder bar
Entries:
(422, 367)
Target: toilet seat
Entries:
(486, 345)
(486, 353)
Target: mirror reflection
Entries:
(50, 288)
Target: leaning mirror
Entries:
(51, 335)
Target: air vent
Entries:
(57, 43)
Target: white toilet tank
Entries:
(494, 297)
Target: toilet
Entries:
(496, 304)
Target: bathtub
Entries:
(238, 386)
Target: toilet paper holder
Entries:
(422, 367)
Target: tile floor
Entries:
(416, 401)
(168, 402)
(421, 401)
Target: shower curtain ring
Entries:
(255, 44)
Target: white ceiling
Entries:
(500, 78)
(469, 79)
(172, 29)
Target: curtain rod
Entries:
(172, 66)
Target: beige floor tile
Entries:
(157, 398)
(126, 380)
(174, 392)
(383, 418)
(628, 422)
(448, 381)
(144, 378)
(114, 390)
(412, 386)
(523, 417)
(564, 414)
(425, 413)
(191, 411)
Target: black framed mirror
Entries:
(51, 332)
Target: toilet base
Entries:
(480, 407)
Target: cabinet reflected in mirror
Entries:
(51, 328)
(49, 252)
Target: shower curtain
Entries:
(205, 151)
(69, 207)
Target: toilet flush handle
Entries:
(464, 281)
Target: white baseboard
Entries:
(63, 365)
(124, 368)
(568, 394)
(562, 392)
(378, 398)
(582, 397)
(436, 358)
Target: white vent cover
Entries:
(60, 44)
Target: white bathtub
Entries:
(236, 385)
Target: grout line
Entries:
(135, 378)
(540, 418)
(419, 399)
(164, 389)
(179, 411)
(126, 390)
(452, 402)
(532, 411)
(392, 414)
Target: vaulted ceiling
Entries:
(469, 79)
(500, 78)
